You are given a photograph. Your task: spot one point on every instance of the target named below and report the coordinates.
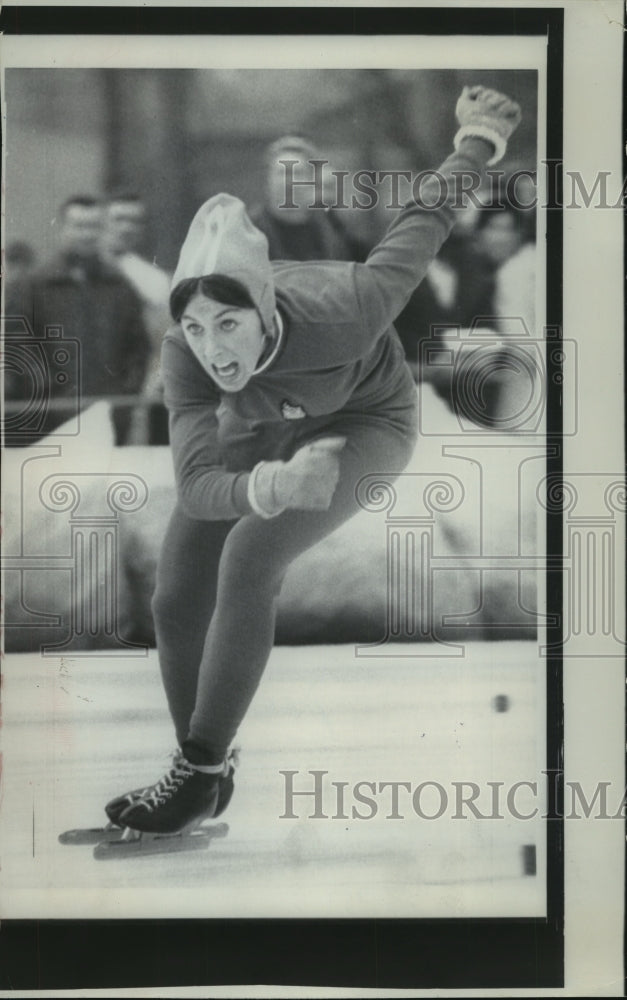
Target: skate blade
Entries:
(134, 844)
(95, 835)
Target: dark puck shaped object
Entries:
(501, 703)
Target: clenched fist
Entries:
(306, 482)
(487, 114)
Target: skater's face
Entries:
(228, 341)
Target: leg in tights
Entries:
(254, 560)
(182, 607)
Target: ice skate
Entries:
(117, 806)
(187, 794)
(84, 836)
(137, 843)
(167, 816)
(117, 839)
(112, 830)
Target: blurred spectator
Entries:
(497, 268)
(508, 239)
(467, 285)
(500, 232)
(92, 304)
(458, 287)
(123, 235)
(300, 233)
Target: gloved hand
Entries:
(487, 114)
(306, 482)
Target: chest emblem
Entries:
(291, 412)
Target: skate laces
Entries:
(169, 784)
(179, 773)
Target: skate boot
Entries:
(113, 810)
(181, 800)
(118, 805)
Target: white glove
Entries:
(487, 114)
(306, 482)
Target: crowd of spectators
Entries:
(104, 305)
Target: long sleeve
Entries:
(206, 489)
(399, 262)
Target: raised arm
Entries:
(207, 491)
(397, 265)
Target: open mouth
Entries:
(227, 372)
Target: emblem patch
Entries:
(291, 412)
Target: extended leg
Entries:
(255, 556)
(183, 604)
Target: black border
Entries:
(394, 953)
(50, 20)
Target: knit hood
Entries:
(222, 240)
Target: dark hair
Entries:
(218, 287)
(81, 200)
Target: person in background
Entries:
(300, 233)
(92, 304)
(459, 286)
(496, 274)
(123, 235)
(507, 239)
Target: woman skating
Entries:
(285, 384)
